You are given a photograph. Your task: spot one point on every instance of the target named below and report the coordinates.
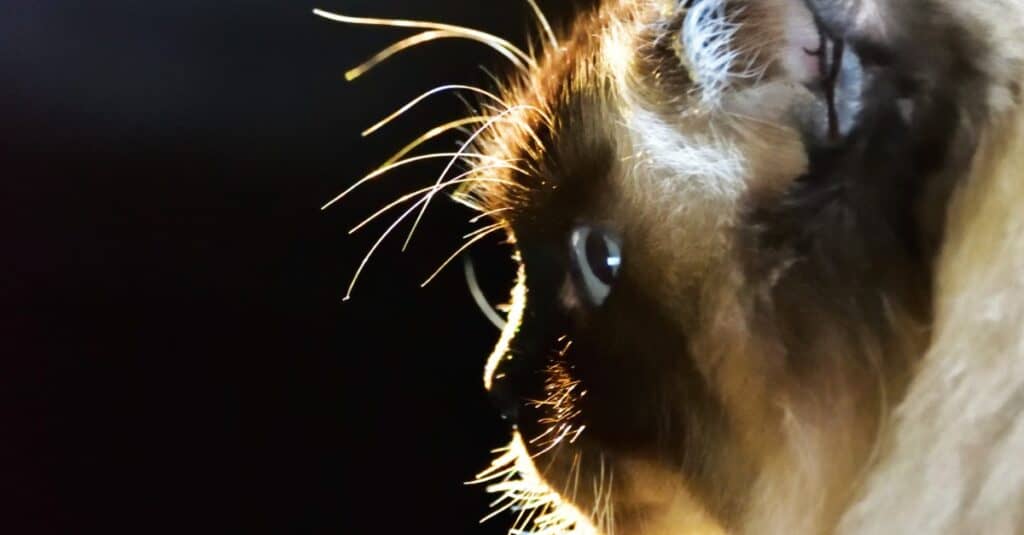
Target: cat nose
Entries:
(506, 399)
(516, 372)
(507, 387)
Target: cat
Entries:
(771, 271)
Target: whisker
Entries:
(498, 511)
(465, 200)
(484, 478)
(434, 132)
(489, 213)
(549, 446)
(376, 245)
(606, 507)
(483, 229)
(495, 79)
(482, 303)
(504, 464)
(611, 506)
(454, 159)
(598, 494)
(440, 89)
(459, 251)
(399, 47)
(409, 196)
(499, 45)
(543, 20)
(538, 438)
(761, 122)
(470, 108)
(522, 489)
(576, 479)
(458, 125)
(531, 48)
(523, 520)
(388, 168)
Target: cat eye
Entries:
(597, 257)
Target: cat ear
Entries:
(706, 46)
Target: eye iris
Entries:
(597, 256)
(603, 260)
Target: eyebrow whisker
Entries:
(518, 58)
(433, 133)
(409, 196)
(388, 168)
(454, 159)
(483, 229)
(437, 90)
(399, 47)
(543, 21)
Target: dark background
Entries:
(177, 356)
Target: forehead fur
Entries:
(617, 93)
(563, 112)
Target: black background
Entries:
(181, 356)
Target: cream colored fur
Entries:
(955, 458)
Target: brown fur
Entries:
(807, 335)
(741, 362)
(744, 372)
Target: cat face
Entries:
(714, 303)
(724, 278)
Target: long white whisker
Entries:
(470, 108)
(519, 58)
(466, 200)
(454, 159)
(495, 79)
(460, 250)
(498, 511)
(388, 168)
(611, 505)
(398, 47)
(489, 213)
(387, 232)
(543, 20)
(433, 133)
(456, 125)
(440, 89)
(576, 478)
(598, 494)
(487, 228)
(376, 245)
(409, 196)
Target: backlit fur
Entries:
(807, 335)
